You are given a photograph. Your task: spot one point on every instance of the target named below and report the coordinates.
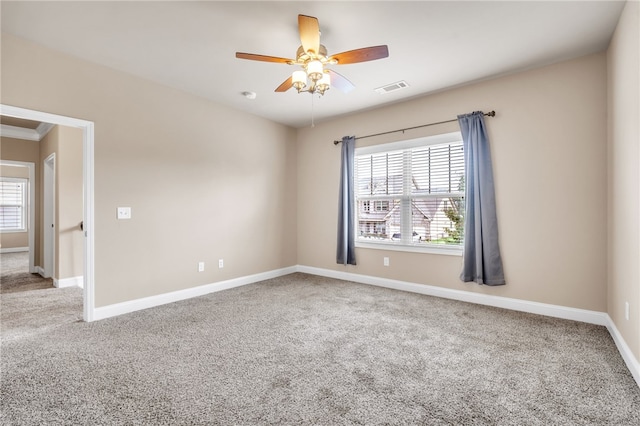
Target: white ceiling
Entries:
(432, 45)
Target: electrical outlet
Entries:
(220, 263)
(626, 311)
(200, 266)
(385, 261)
(124, 212)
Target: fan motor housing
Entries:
(304, 57)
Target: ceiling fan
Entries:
(313, 58)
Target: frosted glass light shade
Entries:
(324, 83)
(314, 70)
(299, 79)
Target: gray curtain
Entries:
(482, 262)
(346, 253)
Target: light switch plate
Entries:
(124, 212)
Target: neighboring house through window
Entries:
(13, 204)
(410, 194)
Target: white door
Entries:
(48, 225)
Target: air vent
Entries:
(392, 87)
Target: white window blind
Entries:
(13, 208)
(411, 194)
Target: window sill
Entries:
(432, 249)
(12, 231)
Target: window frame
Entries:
(440, 139)
(24, 205)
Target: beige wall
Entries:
(69, 199)
(548, 144)
(204, 181)
(624, 178)
(14, 239)
(26, 151)
(19, 150)
(66, 144)
(14, 171)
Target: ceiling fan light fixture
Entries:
(313, 57)
(315, 70)
(299, 80)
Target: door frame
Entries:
(49, 217)
(87, 128)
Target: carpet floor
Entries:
(302, 349)
(15, 276)
(30, 304)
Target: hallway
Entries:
(30, 304)
(15, 276)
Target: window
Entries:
(410, 194)
(13, 205)
(381, 206)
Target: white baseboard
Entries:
(175, 296)
(13, 249)
(69, 282)
(625, 351)
(582, 315)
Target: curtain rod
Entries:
(489, 114)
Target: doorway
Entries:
(49, 208)
(31, 215)
(87, 128)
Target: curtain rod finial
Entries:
(491, 114)
(336, 142)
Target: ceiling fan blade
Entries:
(309, 33)
(361, 55)
(263, 58)
(286, 85)
(341, 82)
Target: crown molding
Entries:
(7, 131)
(36, 134)
(43, 129)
